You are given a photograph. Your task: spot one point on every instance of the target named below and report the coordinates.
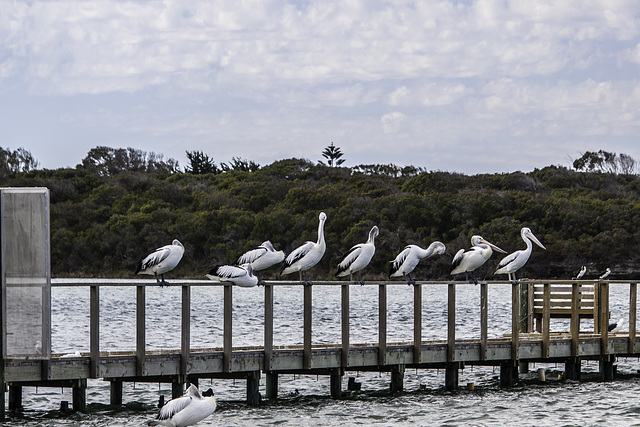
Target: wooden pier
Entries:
(527, 342)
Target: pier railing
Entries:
(521, 322)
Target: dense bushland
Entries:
(102, 224)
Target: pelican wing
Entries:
(349, 258)
(298, 253)
(226, 272)
(400, 259)
(457, 259)
(508, 260)
(154, 258)
(174, 406)
(252, 255)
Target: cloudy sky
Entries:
(468, 86)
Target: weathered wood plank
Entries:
(633, 301)
(141, 305)
(484, 316)
(268, 326)
(417, 323)
(185, 336)
(94, 330)
(451, 323)
(345, 325)
(382, 325)
(308, 306)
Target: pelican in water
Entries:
(408, 259)
(189, 409)
(261, 258)
(606, 274)
(358, 257)
(241, 275)
(468, 261)
(582, 272)
(516, 260)
(307, 255)
(617, 326)
(161, 260)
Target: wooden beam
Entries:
(345, 325)
(382, 325)
(451, 324)
(417, 323)
(546, 321)
(306, 338)
(604, 318)
(633, 301)
(185, 338)
(575, 321)
(94, 330)
(228, 328)
(515, 319)
(268, 328)
(484, 315)
(141, 306)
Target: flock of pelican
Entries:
(246, 272)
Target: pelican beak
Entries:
(494, 247)
(536, 241)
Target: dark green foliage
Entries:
(333, 155)
(13, 162)
(200, 163)
(106, 161)
(103, 223)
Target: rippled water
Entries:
(304, 400)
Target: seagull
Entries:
(617, 326)
(306, 256)
(516, 260)
(358, 257)
(188, 409)
(74, 354)
(161, 260)
(469, 261)
(241, 275)
(606, 274)
(582, 272)
(409, 258)
(261, 258)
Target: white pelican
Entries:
(306, 256)
(161, 260)
(606, 274)
(409, 258)
(469, 261)
(261, 258)
(617, 326)
(582, 272)
(241, 275)
(358, 257)
(188, 409)
(74, 354)
(515, 261)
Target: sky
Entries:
(462, 86)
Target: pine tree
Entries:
(333, 154)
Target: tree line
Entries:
(104, 219)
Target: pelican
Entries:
(306, 256)
(409, 258)
(261, 258)
(606, 274)
(582, 272)
(188, 409)
(358, 257)
(617, 326)
(74, 354)
(469, 261)
(515, 261)
(161, 260)
(241, 275)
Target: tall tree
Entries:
(13, 162)
(200, 163)
(107, 161)
(333, 155)
(606, 162)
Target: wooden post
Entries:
(253, 388)
(308, 305)
(140, 329)
(185, 340)
(115, 392)
(451, 376)
(177, 387)
(515, 319)
(345, 326)
(573, 369)
(530, 306)
(228, 328)
(382, 325)
(451, 324)
(604, 318)
(546, 320)
(15, 397)
(417, 323)
(397, 379)
(336, 384)
(94, 331)
(79, 394)
(633, 301)
(271, 386)
(575, 320)
(484, 315)
(268, 329)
